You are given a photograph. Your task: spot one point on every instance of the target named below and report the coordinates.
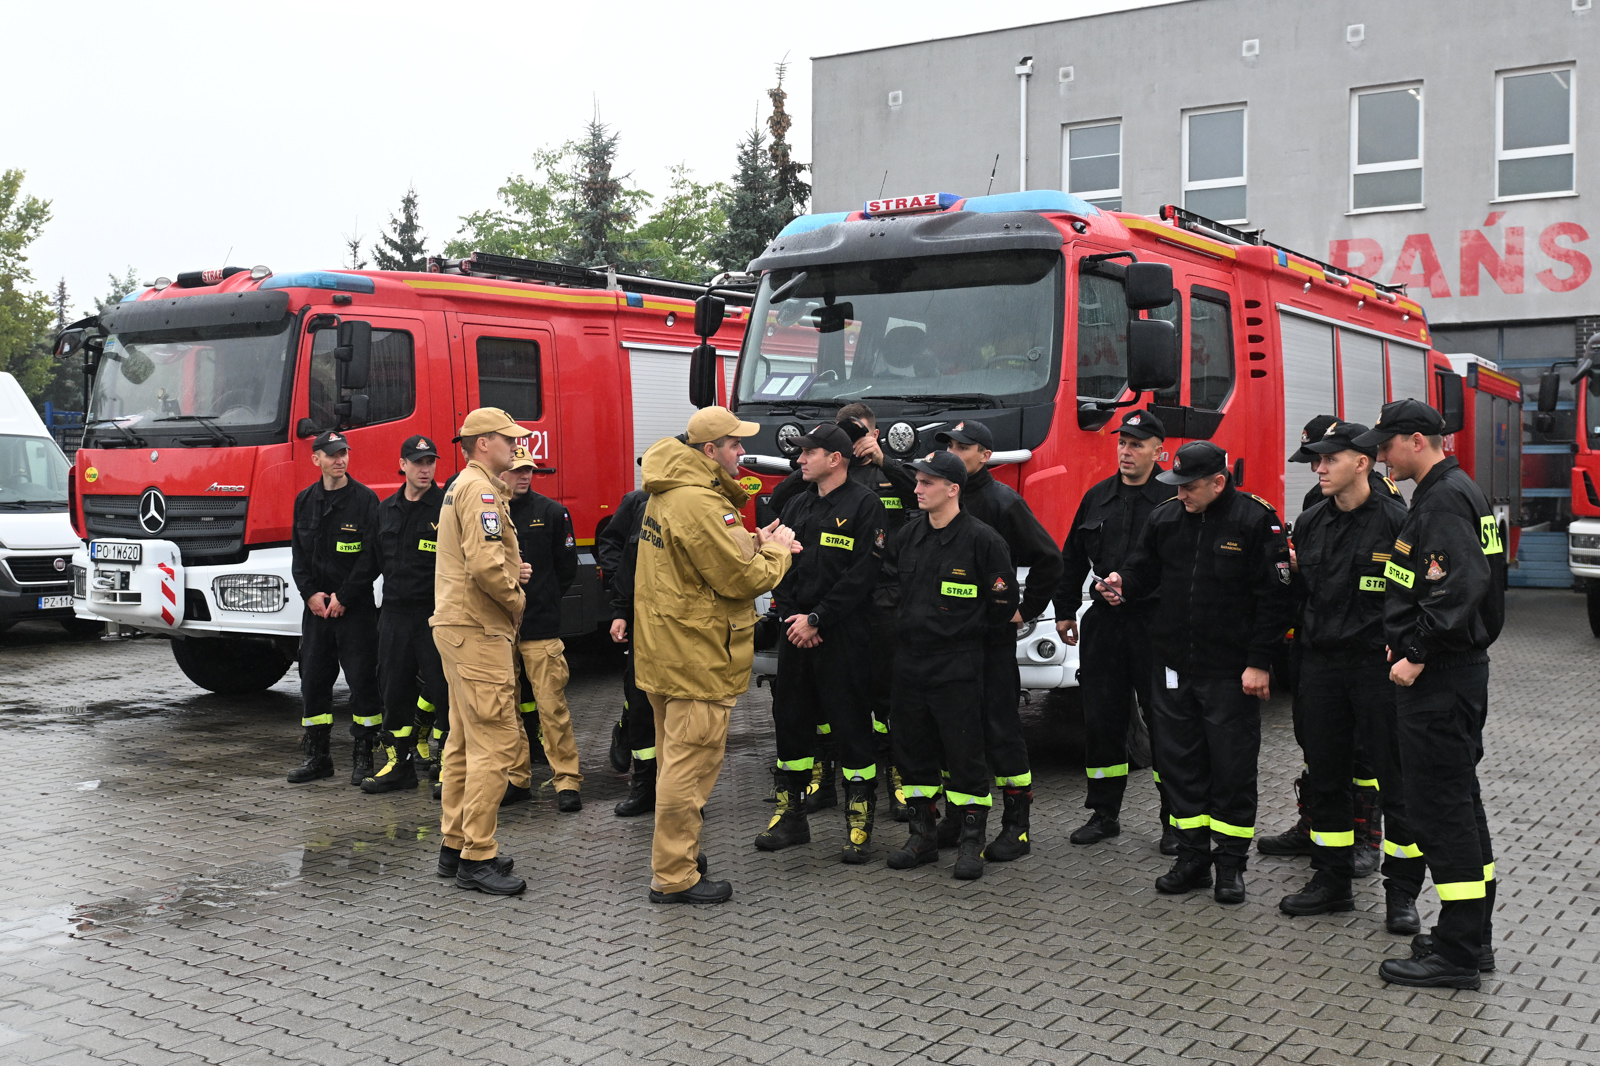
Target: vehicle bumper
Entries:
(1585, 562)
(20, 601)
(161, 595)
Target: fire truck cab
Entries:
(206, 393)
(1583, 535)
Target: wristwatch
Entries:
(813, 621)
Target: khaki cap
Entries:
(711, 423)
(490, 420)
(522, 459)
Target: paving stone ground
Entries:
(167, 898)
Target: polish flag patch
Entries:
(487, 497)
(730, 519)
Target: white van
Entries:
(36, 538)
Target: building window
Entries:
(1534, 133)
(1386, 148)
(1214, 148)
(1092, 164)
(508, 377)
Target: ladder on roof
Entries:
(735, 288)
(1206, 227)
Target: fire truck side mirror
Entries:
(703, 375)
(1452, 401)
(708, 314)
(70, 342)
(1549, 390)
(1153, 362)
(1148, 286)
(354, 353)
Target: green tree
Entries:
(603, 207)
(753, 217)
(678, 237)
(791, 192)
(24, 315)
(401, 247)
(534, 219)
(66, 385)
(120, 287)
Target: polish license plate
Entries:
(47, 603)
(116, 553)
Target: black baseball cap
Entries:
(1403, 416)
(1142, 424)
(418, 447)
(947, 465)
(967, 432)
(1315, 429)
(829, 436)
(1341, 437)
(1195, 460)
(330, 441)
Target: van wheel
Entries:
(228, 666)
(1594, 608)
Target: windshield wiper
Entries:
(947, 399)
(33, 503)
(133, 438)
(792, 407)
(217, 435)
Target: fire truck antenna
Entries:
(992, 169)
(883, 184)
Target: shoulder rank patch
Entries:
(1402, 547)
(1263, 503)
(1394, 490)
(1438, 566)
(1381, 557)
(491, 525)
(730, 519)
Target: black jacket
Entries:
(1002, 509)
(1222, 577)
(335, 545)
(407, 549)
(544, 537)
(616, 549)
(1342, 555)
(1103, 532)
(843, 537)
(1381, 486)
(956, 584)
(1445, 601)
(896, 488)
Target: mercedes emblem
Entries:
(154, 456)
(152, 511)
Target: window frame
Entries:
(1092, 196)
(1243, 181)
(1417, 163)
(1223, 299)
(488, 334)
(312, 355)
(1570, 148)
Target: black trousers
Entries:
(1363, 769)
(881, 651)
(828, 685)
(638, 720)
(1006, 747)
(1440, 723)
(327, 645)
(1207, 737)
(410, 676)
(1345, 700)
(939, 721)
(1115, 662)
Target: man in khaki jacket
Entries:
(698, 573)
(478, 603)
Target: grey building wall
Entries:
(959, 109)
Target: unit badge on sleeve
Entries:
(1438, 566)
(491, 525)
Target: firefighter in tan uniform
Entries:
(478, 607)
(698, 573)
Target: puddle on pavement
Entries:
(19, 716)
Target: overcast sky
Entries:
(167, 135)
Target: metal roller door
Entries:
(661, 406)
(1361, 373)
(1408, 372)
(1308, 391)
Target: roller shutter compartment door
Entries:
(1408, 372)
(1361, 374)
(1307, 392)
(661, 406)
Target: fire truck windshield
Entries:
(230, 379)
(961, 326)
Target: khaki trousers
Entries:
(545, 663)
(485, 736)
(691, 737)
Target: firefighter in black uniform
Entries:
(1114, 663)
(617, 551)
(1444, 606)
(1219, 561)
(1001, 508)
(334, 562)
(824, 658)
(410, 675)
(956, 584)
(1343, 693)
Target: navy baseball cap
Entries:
(1195, 460)
(829, 436)
(967, 432)
(1403, 416)
(1314, 430)
(1142, 424)
(331, 442)
(1341, 437)
(943, 464)
(418, 447)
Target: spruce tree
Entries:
(753, 217)
(791, 193)
(62, 304)
(603, 208)
(401, 247)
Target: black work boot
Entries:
(949, 829)
(1186, 875)
(1430, 971)
(569, 801)
(481, 876)
(861, 810)
(1170, 839)
(821, 789)
(618, 754)
(969, 861)
(1422, 947)
(515, 794)
(897, 797)
(399, 770)
(641, 798)
(1368, 850)
(318, 764)
(922, 846)
(1012, 842)
(1400, 913)
(788, 826)
(361, 758)
(450, 861)
(1230, 883)
(702, 891)
(1297, 841)
(1102, 825)
(1320, 896)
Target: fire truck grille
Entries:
(206, 529)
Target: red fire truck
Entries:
(1042, 315)
(206, 392)
(1583, 535)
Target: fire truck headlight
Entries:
(786, 436)
(1590, 541)
(80, 583)
(257, 593)
(902, 438)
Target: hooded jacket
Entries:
(697, 575)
